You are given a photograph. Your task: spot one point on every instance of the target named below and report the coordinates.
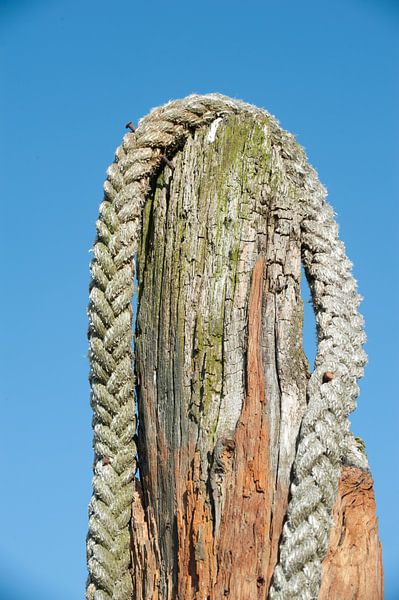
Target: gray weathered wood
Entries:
(220, 366)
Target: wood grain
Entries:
(221, 373)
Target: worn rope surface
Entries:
(324, 438)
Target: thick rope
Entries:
(324, 439)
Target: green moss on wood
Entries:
(360, 444)
(230, 170)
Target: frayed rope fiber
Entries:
(324, 439)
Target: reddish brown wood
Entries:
(244, 548)
(352, 569)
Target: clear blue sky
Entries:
(72, 74)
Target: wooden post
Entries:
(221, 381)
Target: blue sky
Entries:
(72, 74)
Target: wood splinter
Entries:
(130, 126)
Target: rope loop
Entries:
(324, 440)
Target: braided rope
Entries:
(324, 440)
(324, 437)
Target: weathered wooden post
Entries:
(242, 453)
